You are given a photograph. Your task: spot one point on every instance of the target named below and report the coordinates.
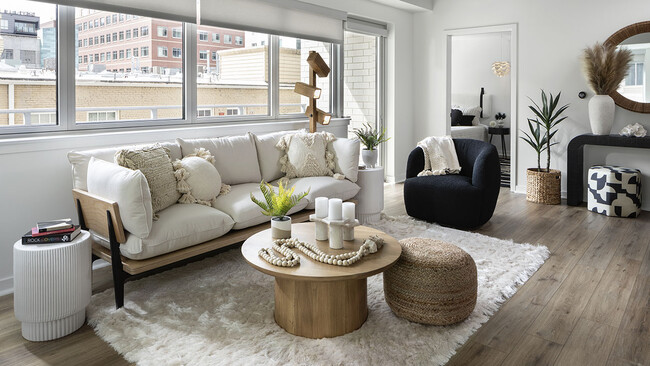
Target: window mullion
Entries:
(66, 98)
(274, 77)
(190, 84)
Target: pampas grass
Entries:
(605, 67)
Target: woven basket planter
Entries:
(543, 187)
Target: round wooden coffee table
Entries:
(317, 300)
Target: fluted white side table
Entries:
(52, 287)
(371, 196)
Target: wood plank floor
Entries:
(589, 304)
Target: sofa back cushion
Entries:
(346, 157)
(80, 159)
(235, 157)
(269, 154)
(128, 188)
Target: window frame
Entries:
(66, 85)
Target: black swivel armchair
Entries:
(464, 201)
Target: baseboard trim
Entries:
(7, 286)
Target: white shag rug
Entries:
(219, 311)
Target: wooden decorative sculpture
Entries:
(317, 66)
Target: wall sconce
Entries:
(317, 67)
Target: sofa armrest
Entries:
(486, 173)
(92, 211)
(415, 163)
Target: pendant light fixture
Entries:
(501, 68)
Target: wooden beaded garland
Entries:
(291, 259)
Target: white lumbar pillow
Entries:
(198, 179)
(128, 188)
(346, 157)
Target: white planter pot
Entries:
(601, 114)
(281, 227)
(369, 157)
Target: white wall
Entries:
(552, 34)
(36, 180)
(471, 68)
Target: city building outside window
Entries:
(7, 54)
(108, 38)
(227, 38)
(101, 39)
(85, 42)
(4, 24)
(128, 53)
(162, 31)
(114, 55)
(232, 112)
(144, 31)
(96, 23)
(135, 52)
(121, 17)
(162, 51)
(216, 38)
(203, 55)
(108, 19)
(177, 33)
(96, 39)
(102, 22)
(90, 41)
(176, 52)
(203, 36)
(85, 26)
(128, 34)
(102, 116)
(121, 54)
(135, 32)
(121, 35)
(239, 40)
(114, 17)
(204, 112)
(145, 51)
(108, 56)
(48, 118)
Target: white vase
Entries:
(601, 114)
(281, 227)
(369, 157)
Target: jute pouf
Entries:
(433, 282)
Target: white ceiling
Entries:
(408, 5)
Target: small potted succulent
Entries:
(277, 205)
(543, 185)
(370, 138)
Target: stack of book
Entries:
(55, 231)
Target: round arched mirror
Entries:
(634, 92)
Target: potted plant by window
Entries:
(543, 185)
(370, 138)
(605, 67)
(277, 205)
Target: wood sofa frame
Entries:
(103, 217)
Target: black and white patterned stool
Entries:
(614, 191)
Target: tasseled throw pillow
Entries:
(198, 179)
(307, 154)
(154, 162)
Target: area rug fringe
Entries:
(220, 311)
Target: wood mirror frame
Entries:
(616, 39)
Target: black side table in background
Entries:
(501, 131)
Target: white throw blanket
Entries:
(439, 156)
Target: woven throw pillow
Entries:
(198, 179)
(154, 162)
(307, 154)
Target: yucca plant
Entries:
(370, 137)
(277, 204)
(605, 67)
(542, 127)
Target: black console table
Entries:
(575, 159)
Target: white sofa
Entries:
(242, 161)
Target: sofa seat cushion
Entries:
(178, 226)
(324, 187)
(243, 211)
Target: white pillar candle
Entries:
(335, 209)
(321, 207)
(348, 211)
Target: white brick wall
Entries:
(359, 79)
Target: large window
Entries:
(130, 95)
(294, 67)
(28, 67)
(124, 76)
(232, 78)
